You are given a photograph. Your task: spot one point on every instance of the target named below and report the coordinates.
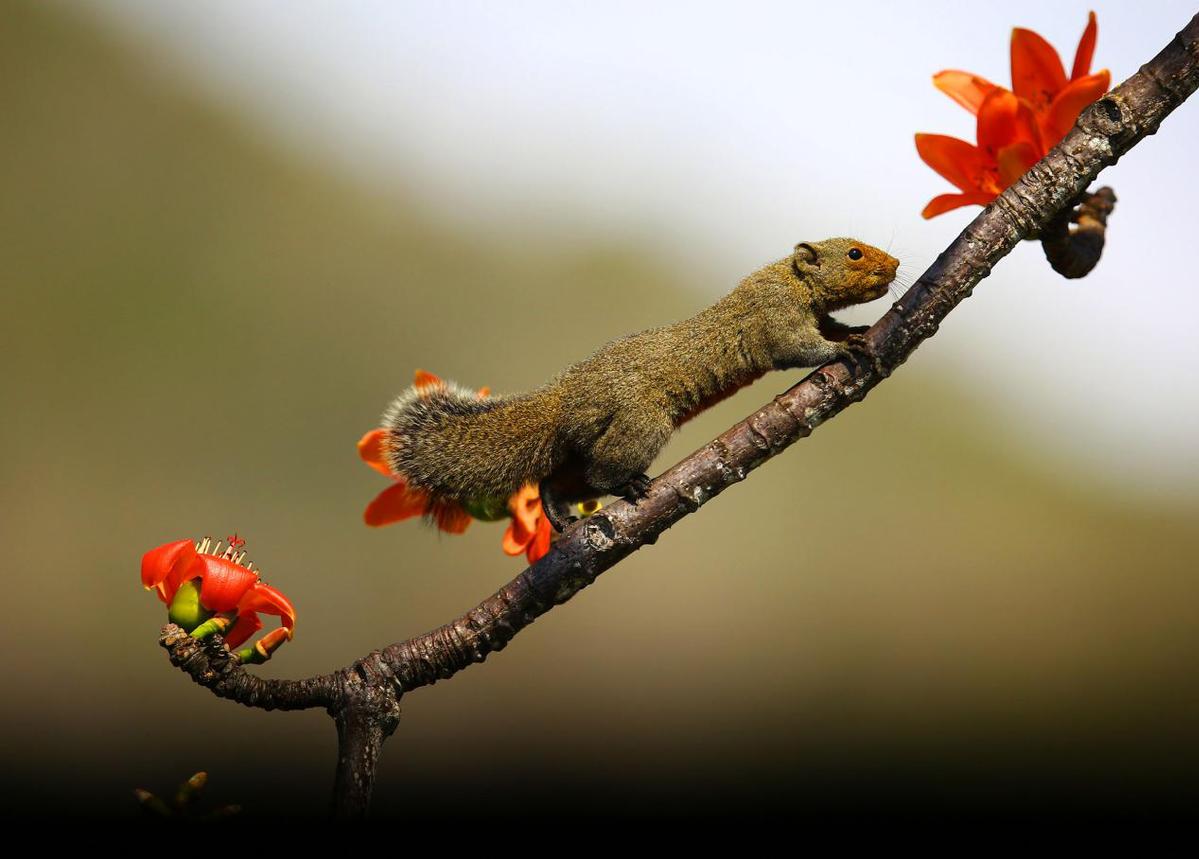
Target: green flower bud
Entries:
(185, 608)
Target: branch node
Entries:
(601, 533)
(690, 498)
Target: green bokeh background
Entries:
(905, 610)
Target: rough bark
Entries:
(364, 697)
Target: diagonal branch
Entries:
(367, 693)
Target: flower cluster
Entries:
(209, 590)
(1016, 127)
(528, 533)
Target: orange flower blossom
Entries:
(1015, 127)
(211, 592)
(529, 531)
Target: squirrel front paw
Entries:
(855, 347)
(858, 349)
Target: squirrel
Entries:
(595, 428)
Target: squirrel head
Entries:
(844, 271)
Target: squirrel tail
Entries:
(465, 449)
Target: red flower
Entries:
(1015, 128)
(225, 588)
(530, 530)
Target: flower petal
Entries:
(262, 597)
(1037, 73)
(425, 381)
(514, 544)
(450, 517)
(370, 448)
(223, 584)
(525, 505)
(395, 504)
(956, 160)
(1015, 160)
(965, 88)
(1005, 119)
(1064, 111)
(947, 202)
(1086, 49)
(163, 568)
(247, 624)
(540, 546)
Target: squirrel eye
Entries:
(855, 253)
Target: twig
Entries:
(364, 698)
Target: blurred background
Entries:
(229, 232)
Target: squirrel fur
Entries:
(595, 428)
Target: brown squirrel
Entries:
(595, 428)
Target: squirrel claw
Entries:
(636, 488)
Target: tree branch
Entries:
(364, 697)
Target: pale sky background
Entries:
(718, 135)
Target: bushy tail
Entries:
(464, 446)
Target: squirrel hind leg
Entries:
(622, 454)
(564, 487)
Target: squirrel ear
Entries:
(805, 254)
